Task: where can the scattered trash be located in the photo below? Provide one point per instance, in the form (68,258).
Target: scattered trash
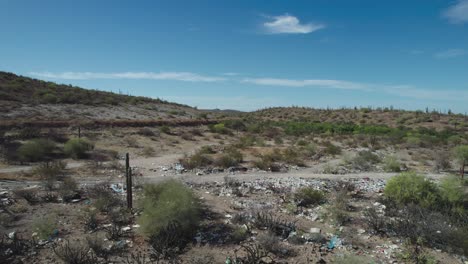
(315,230)
(334,242)
(118,188)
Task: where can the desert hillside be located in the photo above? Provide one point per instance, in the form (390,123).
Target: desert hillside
(26,99)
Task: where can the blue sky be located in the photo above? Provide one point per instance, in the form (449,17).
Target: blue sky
(247,54)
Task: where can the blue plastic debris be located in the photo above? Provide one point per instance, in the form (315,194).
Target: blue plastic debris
(333,242)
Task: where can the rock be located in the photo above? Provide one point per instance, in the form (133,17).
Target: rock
(361,231)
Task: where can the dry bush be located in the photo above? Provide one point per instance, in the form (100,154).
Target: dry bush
(49,172)
(276,225)
(308,196)
(74,253)
(30,195)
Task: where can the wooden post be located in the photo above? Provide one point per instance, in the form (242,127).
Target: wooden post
(79,132)
(128,176)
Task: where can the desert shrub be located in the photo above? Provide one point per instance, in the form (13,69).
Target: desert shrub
(364,160)
(253,253)
(29,132)
(292,156)
(68,188)
(148,151)
(239,234)
(453,197)
(89,218)
(168,242)
(97,245)
(44,226)
(219,128)
(131,142)
(30,195)
(77,148)
(113,231)
(104,198)
(276,225)
(461,155)
(391,164)
(146,131)
(339,207)
(169,203)
(309,150)
(441,161)
(352,259)
(36,150)
(49,172)
(413,141)
(271,243)
(197,160)
(308,196)
(74,253)
(232,157)
(409,187)
(331,149)
(375,221)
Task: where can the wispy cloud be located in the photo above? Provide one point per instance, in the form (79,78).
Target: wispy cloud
(336,84)
(457,13)
(288,24)
(174,76)
(451,53)
(398,90)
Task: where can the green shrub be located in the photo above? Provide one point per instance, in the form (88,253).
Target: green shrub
(453,196)
(166,203)
(331,149)
(411,188)
(391,164)
(77,148)
(231,158)
(308,196)
(364,160)
(45,226)
(49,172)
(219,128)
(197,160)
(36,150)
(239,234)
(165,130)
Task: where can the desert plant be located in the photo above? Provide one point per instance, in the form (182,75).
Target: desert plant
(308,196)
(90,219)
(239,234)
(375,221)
(197,160)
(77,148)
(36,150)
(96,244)
(44,226)
(68,188)
(461,155)
(74,253)
(168,203)
(104,198)
(254,254)
(391,164)
(410,187)
(49,172)
(441,161)
(30,195)
(331,149)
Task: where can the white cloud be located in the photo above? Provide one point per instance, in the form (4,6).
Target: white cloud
(174,76)
(451,53)
(458,13)
(408,91)
(290,25)
(336,84)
